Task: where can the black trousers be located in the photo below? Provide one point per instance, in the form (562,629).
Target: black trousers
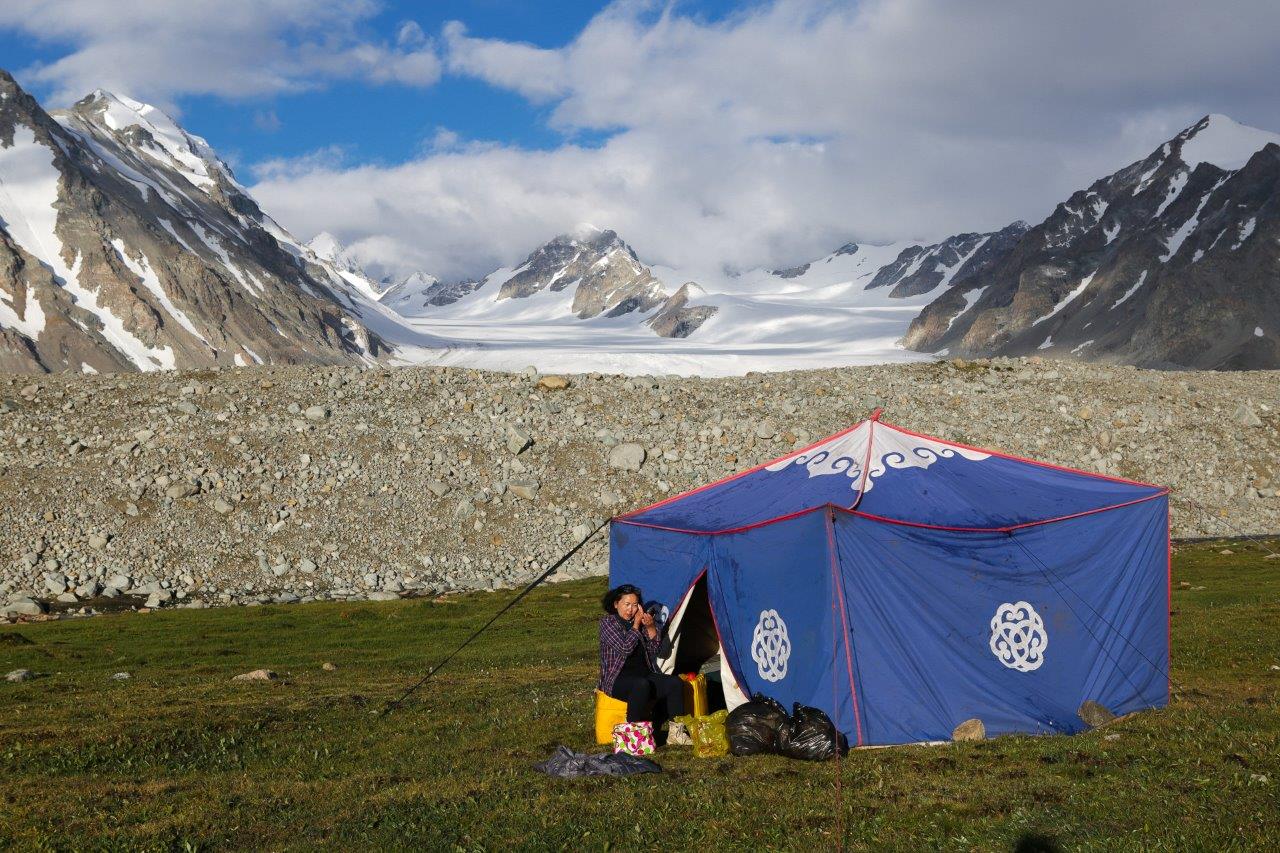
(654,696)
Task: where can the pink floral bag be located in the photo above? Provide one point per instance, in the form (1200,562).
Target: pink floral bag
(633,738)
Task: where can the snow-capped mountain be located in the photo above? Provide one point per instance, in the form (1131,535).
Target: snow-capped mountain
(127,244)
(1171,261)
(585,275)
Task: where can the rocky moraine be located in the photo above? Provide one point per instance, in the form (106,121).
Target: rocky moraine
(248,486)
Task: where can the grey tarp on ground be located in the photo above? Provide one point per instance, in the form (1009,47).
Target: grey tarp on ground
(567,764)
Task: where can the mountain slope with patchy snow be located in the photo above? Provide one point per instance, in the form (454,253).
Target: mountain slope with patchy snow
(126,244)
(1173,261)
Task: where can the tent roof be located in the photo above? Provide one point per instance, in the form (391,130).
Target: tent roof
(886,472)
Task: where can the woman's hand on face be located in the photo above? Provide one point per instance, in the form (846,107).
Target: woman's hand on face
(638,619)
(646,620)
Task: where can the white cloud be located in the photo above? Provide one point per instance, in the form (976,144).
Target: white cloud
(327,159)
(776,134)
(765,138)
(158,50)
(534,72)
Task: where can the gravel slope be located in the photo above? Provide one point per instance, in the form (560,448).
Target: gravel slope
(277,484)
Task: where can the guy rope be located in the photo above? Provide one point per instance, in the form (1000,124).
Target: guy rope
(391,706)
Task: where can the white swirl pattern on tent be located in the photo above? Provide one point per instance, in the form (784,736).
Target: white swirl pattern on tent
(847,453)
(770,646)
(1018,636)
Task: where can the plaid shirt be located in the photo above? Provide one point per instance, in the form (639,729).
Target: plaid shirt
(617,640)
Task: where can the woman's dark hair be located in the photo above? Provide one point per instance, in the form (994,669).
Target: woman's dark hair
(611,597)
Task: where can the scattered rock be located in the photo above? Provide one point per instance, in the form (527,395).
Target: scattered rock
(1245,416)
(551,382)
(518,440)
(969,730)
(257,675)
(316,413)
(524,489)
(327,666)
(1094,714)
(18,676)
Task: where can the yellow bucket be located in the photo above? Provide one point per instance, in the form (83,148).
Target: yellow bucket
(609,712)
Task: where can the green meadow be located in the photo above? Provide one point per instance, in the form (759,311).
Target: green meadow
(180,757)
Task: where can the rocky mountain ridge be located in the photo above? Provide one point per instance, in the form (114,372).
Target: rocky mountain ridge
(126,244)
(1169,262)
(1190,233)
(595,268)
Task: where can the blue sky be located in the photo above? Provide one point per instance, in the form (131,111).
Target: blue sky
(378,123)
(454,137)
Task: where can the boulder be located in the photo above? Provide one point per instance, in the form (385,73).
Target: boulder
(23,607)
(969,730)
(628,457)
(18,676)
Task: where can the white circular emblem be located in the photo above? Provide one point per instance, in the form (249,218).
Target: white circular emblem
(770,646)
(1018,637)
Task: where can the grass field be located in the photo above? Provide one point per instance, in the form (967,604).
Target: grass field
(179,757)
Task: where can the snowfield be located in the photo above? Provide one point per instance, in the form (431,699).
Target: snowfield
(824,317)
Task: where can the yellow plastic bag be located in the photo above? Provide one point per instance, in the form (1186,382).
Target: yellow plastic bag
(709,738)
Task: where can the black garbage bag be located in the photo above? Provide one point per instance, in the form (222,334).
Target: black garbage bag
(809,735)
(752,727)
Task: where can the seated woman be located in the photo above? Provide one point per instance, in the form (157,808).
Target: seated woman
(629,645)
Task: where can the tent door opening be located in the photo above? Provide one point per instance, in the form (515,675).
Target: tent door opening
(695,647)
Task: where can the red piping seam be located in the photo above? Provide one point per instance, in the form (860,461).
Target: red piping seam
(1008,529)
(741,529)
(683,495)
(866,462)
(1022,458)
(848,659)
(886,520)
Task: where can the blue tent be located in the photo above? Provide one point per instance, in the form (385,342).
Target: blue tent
(905,584)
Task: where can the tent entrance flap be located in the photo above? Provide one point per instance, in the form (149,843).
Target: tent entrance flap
(695,642)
